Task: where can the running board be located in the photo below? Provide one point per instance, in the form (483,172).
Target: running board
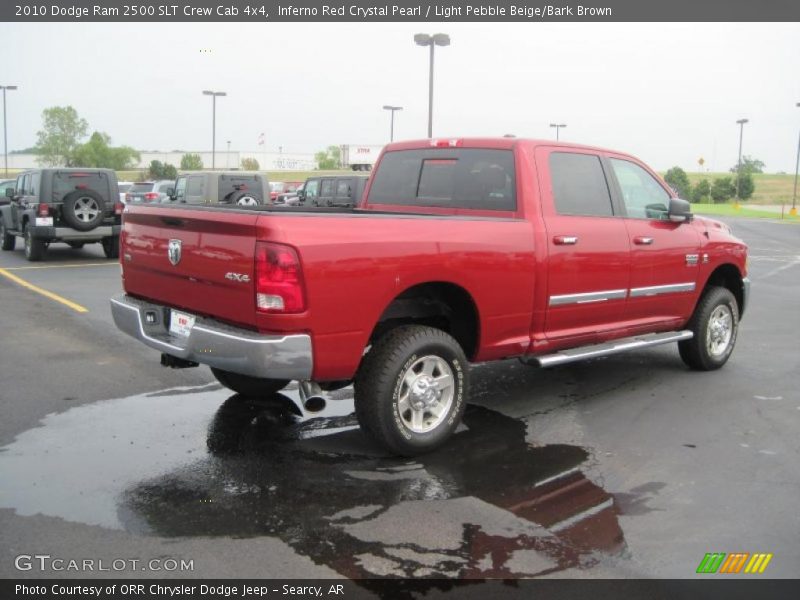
(615,347)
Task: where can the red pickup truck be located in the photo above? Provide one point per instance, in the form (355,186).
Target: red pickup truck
(461,251)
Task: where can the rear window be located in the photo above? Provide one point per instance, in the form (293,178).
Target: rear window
(230,184)
(124,187)
(140,188)
(450,178)
(67,182)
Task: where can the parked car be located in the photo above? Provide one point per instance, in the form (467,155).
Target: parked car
(74,206)
(342,190)
(4,185)
(289,195)
(123,186)
(461,251)
(148,192)
(241,188)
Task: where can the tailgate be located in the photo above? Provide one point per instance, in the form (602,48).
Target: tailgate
(210,270)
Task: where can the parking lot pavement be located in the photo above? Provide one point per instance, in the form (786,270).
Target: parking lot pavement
(628,466)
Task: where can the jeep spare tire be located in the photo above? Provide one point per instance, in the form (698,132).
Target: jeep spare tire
(83,209)
(241,198)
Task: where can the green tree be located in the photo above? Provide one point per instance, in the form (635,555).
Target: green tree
(331,158)
(250,164)
(702,191)
(677,179)
(746,186)
(61,134)
(159,170)
(98,153)
(722,189)
(191,162)
(749,165)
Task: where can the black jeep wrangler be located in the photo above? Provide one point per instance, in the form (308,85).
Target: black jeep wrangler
(74,206)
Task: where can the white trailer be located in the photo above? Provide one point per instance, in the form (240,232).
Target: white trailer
(359,157)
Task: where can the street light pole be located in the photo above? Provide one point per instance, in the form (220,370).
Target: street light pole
(391,127)
(741,123)
(437,39)
(793,211)
(5,130)
(213,123)
(557,127)
(228,156)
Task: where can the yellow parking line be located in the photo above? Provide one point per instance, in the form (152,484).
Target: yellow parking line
(69,266)
(43,292)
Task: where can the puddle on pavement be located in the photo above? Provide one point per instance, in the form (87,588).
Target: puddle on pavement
(200,462)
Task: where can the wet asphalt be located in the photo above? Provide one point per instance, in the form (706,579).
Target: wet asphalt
(627,466)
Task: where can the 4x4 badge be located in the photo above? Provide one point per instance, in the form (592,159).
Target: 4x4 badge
(174,251)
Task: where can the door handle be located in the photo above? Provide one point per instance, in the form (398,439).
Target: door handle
(565,240)
(643,241)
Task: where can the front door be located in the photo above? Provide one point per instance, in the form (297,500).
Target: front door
(588,251)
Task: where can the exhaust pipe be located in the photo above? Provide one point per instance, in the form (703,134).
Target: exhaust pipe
(173,362)
(311,395)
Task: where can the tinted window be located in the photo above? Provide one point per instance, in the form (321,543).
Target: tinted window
(33,182)
(312,188)
(327,188)
(138,188)
(66,182)
(579,185)
(124,187)
(642,195)
(446,177)
(343,188)
(164,187)
(194,186)
(180,189)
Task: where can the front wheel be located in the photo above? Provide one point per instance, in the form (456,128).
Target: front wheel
(715,324)
(9,240)
(111,246)
(411,389)
(250,387)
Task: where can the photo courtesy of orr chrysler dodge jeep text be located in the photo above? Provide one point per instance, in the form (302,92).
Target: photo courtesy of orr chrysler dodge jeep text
(460,251)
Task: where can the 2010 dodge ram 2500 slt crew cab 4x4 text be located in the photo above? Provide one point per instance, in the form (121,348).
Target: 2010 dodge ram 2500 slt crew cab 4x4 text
(461,251)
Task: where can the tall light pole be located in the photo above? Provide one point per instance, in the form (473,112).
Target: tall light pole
(10,88)
(213,123)
(741,123)
(557,126)
(391,127)
(437,39)
(793,211)
(228,156)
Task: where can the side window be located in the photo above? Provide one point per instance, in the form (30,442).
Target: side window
(326,190)
(23,185)
(194,187)
(642,195)
(343,188)
(180,190)
(579,185)
(312,188)
(19,186)
(35,178)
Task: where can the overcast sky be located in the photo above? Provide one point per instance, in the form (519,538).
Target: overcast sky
(668,93)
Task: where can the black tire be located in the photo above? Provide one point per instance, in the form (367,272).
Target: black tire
(244,198)
(382,381)
(75,245)
(250,387)
(9,240)
(713,342)
(111,246)
(83,209)
(34,248)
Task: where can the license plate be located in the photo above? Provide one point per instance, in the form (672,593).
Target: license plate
(180,323)
(44,221)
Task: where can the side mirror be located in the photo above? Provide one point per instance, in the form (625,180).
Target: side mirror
(171,192)
(301,195)
(679,210)
(9,192)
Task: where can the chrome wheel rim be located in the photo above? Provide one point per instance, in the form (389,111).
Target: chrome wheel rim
(720,331)
(426,394)
(86,209)
(247,201)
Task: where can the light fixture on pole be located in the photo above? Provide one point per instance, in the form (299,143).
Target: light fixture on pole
(391,127)
(557,126)
(213,123)
(740,123)
(437,39)
(10,88)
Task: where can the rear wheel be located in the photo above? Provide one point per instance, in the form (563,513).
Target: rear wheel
(411,389)
(249,386)
(715,324)
(111,246)
(34,248)
(9,240)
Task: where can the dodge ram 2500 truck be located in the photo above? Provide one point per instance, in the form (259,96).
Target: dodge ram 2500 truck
(461,251)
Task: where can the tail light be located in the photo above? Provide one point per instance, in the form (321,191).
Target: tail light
(118,208)
(279,279)
(43,210)
(150,196)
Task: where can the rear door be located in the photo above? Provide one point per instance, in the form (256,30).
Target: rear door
(665,256)
(588,252)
